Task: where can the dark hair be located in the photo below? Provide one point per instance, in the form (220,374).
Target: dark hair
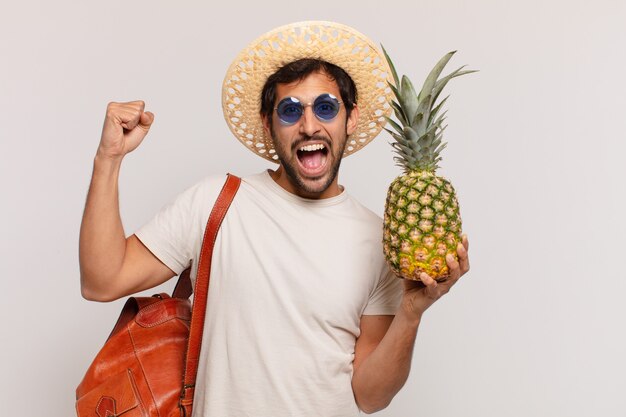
(300,69)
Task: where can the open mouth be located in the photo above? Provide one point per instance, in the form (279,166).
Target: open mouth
(312,158)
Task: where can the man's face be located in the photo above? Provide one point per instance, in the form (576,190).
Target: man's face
(310,150)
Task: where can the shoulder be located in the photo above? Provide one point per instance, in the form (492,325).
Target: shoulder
(207,184)
(203,194)
(196,198)
(363,214)
(203,191)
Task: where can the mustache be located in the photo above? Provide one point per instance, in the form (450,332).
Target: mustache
(298,143)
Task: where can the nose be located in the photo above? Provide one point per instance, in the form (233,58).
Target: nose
(309,124)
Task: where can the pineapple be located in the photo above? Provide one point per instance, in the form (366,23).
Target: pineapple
(422,223)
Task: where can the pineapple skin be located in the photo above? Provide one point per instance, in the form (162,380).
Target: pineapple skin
(422,224)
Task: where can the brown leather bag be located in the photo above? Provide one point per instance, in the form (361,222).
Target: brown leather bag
(148,365)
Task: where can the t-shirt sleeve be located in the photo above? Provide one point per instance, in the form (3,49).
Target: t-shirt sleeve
(386,297)
(177,229)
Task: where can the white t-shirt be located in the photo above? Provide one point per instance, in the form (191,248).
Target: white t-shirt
(290,279)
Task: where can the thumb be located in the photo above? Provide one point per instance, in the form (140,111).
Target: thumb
(136,136)
(146,119)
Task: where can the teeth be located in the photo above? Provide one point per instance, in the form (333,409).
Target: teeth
(310,148)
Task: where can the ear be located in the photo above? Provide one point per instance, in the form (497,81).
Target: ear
(266,125)
(353,120)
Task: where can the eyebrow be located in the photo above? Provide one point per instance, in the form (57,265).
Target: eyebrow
(306,101)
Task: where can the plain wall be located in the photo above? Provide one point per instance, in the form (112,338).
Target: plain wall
(536,149)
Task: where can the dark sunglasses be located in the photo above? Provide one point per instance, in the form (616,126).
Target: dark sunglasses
(325,107)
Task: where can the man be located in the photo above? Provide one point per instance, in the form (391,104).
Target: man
(303,317)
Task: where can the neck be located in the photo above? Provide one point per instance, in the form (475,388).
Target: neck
(281,178)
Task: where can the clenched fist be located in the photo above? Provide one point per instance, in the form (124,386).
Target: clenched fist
(125,126)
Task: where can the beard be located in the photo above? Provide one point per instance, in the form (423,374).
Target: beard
(289,161)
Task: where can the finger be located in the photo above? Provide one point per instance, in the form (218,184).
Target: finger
(130,119)
(129,125)
(465,241)
(437,289)
(140,105)
(130,106)
(429,283)
(116,118)
(453,265)
(461,251)
(135,105)
(463,258)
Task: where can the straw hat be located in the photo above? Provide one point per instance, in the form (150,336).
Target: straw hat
(332,42)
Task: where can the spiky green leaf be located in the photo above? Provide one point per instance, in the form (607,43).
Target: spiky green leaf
(391,66)
(397,110)
(395,91)
(439,134)
(417,123)
(403,150)
(441,148)
(436,109)
(399,138)
(436,144)
(431,133)
(424,108)
(411,135)
(441,118)
(442,82)
(394,124)
(431,79)
(409,100)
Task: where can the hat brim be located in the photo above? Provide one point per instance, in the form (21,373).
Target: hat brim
(328,41)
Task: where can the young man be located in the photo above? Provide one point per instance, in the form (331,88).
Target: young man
(304,317)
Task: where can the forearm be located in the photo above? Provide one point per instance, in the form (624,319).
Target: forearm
(102,241)
(383,373)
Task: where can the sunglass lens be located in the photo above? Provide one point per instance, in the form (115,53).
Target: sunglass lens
(289,110)
(326,107)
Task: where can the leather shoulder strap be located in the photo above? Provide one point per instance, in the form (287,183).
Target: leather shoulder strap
(202,284)
(183,288)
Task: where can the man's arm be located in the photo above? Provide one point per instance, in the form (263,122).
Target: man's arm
(383,351)
(112,266)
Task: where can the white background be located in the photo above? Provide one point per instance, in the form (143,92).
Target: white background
(536,145)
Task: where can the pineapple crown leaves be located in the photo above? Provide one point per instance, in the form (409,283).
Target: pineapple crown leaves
(419,133)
